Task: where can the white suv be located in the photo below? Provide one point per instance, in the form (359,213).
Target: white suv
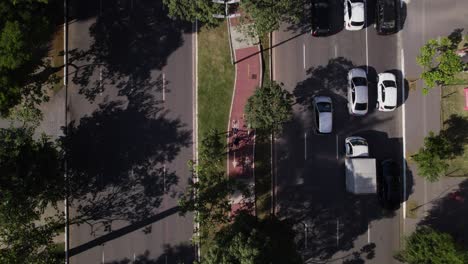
(386,92)
(354,14)
(357,92)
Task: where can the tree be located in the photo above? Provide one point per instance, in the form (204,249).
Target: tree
(189,10)
(269,107)
(432,158)
(268,14)
(209,195)
(428,246)
(440,62)
(31,180)
(248,240)
(26,27)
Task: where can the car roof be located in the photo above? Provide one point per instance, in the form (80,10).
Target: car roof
(325,122)
(357,11)
(361,94)
(390,96)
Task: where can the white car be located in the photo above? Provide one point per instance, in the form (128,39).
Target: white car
(354,14)
(386,92)
(356,147)
(357,92)
(323,111)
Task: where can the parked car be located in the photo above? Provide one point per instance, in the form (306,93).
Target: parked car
(386,92)
(323,112)
(386,16)
(354,14)
(320,18)
(357,92)
(356,147)
(389,185)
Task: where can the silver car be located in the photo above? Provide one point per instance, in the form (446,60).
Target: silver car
(323,113)
(357,92)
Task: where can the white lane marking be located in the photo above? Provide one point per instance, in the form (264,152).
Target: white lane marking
(367,54)
(101,85)
(304,55)
(337,150)
(164,177)
(164,86)
(103,258)
(403,125)
(337,232)
(336,50)
(305,146)
(195,123)
(368,233)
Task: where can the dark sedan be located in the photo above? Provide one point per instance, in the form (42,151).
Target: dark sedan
(390,185)
(386,16)
(320,18)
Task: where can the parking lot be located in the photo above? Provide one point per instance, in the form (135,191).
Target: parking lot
(310,171)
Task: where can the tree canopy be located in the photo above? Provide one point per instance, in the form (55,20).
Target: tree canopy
(209,195)
(432,158)
(248,240)
(268,14)
(429,246)
(189,10)
(26,26)
(269,107)
(30,180)
(440,62)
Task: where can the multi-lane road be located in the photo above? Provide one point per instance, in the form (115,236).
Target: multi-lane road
(129,133)
(309,167)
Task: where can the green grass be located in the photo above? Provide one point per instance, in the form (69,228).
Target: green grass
(263,174)
(215,79)
(453,102)
(215,87)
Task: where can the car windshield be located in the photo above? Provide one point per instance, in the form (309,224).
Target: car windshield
(356,1)
(359,81)
(389,107)
(389,83)
(361,106)
(357,23)
(390,24)
(324,107)
(359,142)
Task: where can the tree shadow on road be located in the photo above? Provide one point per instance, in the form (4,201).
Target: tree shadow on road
(116,158)
(128,42)
(182,253)
(450,213)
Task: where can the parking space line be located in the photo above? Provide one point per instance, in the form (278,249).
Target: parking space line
(305,145)
(164,178)
(337,150)
(164,86)
(304,55)
(103,258)
(336,50)
(134,257)
(367,53)
(337,232)
(368,233)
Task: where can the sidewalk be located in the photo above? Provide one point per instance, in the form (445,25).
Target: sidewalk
(241,140)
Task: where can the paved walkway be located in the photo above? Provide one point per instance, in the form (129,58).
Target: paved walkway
(241,138)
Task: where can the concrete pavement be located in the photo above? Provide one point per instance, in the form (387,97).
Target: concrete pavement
(130,132)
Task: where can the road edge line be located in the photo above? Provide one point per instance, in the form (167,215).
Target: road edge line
(195,125)
(65,84)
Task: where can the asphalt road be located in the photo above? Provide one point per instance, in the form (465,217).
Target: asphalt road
(310,171)
(129,133)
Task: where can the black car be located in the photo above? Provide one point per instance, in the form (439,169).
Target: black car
(386,16)
(320,18)
(390,185)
